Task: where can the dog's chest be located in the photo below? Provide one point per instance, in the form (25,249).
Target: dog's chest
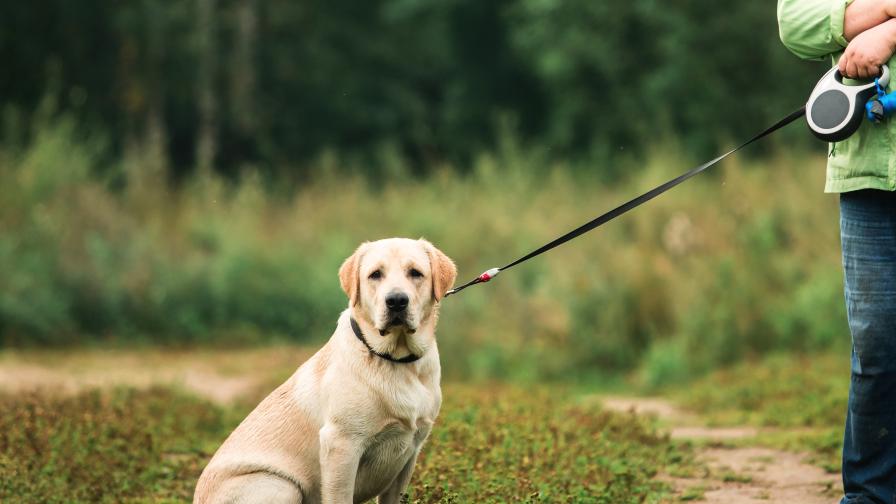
(390,448)
(411,419)
(411,412)
(387,454)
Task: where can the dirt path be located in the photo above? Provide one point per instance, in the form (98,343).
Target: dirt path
(736,474)
(221,376)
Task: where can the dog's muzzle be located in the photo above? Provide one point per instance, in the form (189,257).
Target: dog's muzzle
(397,312)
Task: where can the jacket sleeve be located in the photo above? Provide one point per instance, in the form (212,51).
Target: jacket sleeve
(812,29)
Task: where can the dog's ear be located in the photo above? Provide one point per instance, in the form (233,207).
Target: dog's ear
(443,270)
(349,275)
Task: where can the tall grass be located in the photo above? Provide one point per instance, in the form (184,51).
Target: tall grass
(734,263)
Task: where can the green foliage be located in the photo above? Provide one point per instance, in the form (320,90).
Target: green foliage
(104,446)
(494,444)
(733,264)
(277,81)
(498,444)
(778,391)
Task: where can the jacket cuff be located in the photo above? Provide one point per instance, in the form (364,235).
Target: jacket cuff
(838,14)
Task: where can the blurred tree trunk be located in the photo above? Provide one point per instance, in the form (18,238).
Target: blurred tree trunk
(156,138)
(131,98)
(243,83)
(206,145)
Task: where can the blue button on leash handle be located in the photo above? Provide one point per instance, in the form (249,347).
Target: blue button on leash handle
(835,110)
(883,105)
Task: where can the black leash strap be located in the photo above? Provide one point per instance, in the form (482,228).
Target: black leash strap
(629,205)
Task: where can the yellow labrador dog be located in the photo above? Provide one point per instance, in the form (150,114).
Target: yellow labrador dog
(348,425)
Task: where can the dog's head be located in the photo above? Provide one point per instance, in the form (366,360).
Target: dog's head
(394,284)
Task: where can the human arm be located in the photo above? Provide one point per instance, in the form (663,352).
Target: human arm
(813,29)
(862,15)
(868,51)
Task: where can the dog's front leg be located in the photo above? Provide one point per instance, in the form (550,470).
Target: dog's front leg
(392,495)
(340,454)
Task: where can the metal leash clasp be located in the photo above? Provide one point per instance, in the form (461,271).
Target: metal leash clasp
(485,277)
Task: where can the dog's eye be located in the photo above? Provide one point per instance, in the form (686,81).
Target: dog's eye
(415,273)
(376,275)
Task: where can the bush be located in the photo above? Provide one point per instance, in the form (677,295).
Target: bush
(735,263)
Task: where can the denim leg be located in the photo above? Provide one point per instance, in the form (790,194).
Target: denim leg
(868,238)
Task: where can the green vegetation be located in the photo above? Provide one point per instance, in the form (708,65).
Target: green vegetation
(498,444)
(779,391)
(492,444)
(735,263)
(694,493)
(239,85)
(105,446)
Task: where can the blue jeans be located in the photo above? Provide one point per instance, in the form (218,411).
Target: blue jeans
(868,238)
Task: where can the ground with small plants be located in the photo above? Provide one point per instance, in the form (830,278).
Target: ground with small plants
(93,426)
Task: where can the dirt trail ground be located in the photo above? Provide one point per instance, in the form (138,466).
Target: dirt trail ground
(221,376)
(736,474)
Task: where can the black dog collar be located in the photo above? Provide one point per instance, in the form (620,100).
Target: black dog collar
(407,359)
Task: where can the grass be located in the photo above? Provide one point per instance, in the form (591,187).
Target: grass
(109,446)
(694,493)
(500,444)
(494,443)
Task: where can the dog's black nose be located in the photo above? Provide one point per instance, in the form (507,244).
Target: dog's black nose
(397,301)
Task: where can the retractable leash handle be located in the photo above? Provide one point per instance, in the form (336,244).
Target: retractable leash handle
(835,110)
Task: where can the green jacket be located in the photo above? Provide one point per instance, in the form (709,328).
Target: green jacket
(813,29)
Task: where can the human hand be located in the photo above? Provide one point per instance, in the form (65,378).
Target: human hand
(868,51)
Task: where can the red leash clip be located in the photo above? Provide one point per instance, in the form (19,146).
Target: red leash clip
(485,277)
(488,275)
